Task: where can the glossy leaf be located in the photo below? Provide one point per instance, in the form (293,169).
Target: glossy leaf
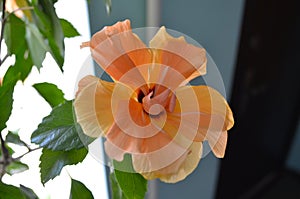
(36,45)
(68,29)
(10,192)
(51,93)
(52,162)
(28,193)
(14,34)
(16,167)
(116,191)
(58,130)
(80,191)
(14,138)
(133,185)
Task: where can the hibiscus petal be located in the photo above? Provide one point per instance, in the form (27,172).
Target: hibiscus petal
(118,143)
(174,172)
(84,82)
(218,142)
(132,131)
(92,106)
(113,151)
(117,50)
(166,153)
(131,118)
(200,113)
(180,61)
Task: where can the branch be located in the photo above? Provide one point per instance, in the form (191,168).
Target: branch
(7,160)
(5,57)
(6,157)
(16,10)
(2,27)
(4,150)
(29,151)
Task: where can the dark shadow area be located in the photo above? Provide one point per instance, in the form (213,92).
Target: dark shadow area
(265,100)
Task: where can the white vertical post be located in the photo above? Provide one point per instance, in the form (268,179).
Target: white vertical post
(153,13)
(153,19)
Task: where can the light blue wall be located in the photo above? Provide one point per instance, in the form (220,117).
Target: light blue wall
(215,24)
(121,9)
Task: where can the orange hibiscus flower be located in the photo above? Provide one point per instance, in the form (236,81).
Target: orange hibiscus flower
(148,111)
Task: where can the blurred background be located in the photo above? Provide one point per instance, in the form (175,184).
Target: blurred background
(255,45)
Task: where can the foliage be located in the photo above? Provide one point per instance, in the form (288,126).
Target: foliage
(52,162)
(79,191)
(126,184)
(29,34)
(53,95)
(58,130)
(29,37)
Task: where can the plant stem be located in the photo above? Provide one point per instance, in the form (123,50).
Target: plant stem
(16,10)
(2,27)
(4,58)
(6,157)
(4,150)
(29,151)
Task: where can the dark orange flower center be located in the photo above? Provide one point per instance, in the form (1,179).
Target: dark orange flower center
(154,102)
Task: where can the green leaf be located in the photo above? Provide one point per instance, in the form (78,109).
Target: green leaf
(41,20)
(80,191)
(49,23)
(28,193)
(16,167)
(58,130)
(14,34)
(133,185)
(52,162)
(116,191)
(14,138)
(68,29)
(22,67)
(36,45)
(125,164)
(10,192)
(6,101)
(51,93)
